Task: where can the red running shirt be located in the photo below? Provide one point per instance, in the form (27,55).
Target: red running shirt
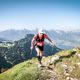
(41,42)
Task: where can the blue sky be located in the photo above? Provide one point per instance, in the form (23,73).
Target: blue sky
(46,14)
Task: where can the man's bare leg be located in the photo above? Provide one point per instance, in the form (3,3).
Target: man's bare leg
(39,55)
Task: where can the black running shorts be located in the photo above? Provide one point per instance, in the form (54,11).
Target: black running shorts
(41,48)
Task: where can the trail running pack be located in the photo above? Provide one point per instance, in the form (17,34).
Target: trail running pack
(38,39)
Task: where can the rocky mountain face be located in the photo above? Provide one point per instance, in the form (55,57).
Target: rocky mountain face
(15,35)
(65,39)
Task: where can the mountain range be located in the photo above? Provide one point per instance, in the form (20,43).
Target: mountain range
(63,39)
(12,53)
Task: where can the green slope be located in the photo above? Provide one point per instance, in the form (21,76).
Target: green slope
(66,66)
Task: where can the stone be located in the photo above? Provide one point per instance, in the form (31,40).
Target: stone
(54,58)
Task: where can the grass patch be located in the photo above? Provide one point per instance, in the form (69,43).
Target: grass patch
(28,70)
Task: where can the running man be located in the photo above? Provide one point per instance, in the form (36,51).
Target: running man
(38,42)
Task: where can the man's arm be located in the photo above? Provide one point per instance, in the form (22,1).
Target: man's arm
(49,39)
(32,42)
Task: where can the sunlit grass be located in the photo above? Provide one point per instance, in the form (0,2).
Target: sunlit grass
(29,70)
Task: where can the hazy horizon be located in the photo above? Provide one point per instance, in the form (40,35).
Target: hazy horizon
(46,14)
(41,28)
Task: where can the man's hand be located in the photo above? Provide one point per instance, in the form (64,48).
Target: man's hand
(52,43)
(31,50)
(31,47)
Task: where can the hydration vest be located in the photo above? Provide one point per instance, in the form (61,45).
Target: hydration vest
(38,39)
